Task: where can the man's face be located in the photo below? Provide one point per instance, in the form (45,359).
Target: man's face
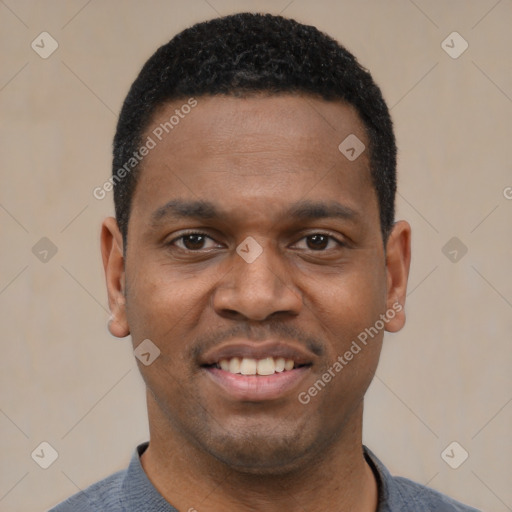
(252,236)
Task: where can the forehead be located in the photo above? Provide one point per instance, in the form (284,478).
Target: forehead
(264,149)
(302,122)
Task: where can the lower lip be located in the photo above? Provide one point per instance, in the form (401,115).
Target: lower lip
(256,388)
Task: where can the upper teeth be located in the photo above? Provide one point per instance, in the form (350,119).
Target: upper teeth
(249,366)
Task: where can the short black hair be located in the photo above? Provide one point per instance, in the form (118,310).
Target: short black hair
(244,54)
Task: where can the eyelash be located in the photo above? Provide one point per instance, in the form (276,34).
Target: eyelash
(184,235)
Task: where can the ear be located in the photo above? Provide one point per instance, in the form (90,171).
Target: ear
(398,260)
(113,263)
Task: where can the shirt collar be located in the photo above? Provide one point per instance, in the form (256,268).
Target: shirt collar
(387,499)
(138,489)
(138,493)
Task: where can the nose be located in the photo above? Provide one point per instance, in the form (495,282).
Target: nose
(257,290)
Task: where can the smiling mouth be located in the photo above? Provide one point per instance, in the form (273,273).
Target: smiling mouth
(258,367)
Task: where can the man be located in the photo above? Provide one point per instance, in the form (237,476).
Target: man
(255,262)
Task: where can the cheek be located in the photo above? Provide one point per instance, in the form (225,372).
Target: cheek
(346,316)
(346,308)
(164,306)
(349,302)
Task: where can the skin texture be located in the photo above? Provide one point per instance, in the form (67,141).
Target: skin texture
(253,158)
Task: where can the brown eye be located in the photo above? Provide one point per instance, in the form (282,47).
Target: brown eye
(317,242)
(194,242)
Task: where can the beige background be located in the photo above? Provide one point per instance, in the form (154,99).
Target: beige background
(446,377)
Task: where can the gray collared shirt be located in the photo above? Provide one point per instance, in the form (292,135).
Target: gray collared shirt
(130,490)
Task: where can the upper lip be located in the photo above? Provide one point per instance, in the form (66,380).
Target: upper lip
(256,350)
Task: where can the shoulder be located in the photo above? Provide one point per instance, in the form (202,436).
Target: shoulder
(103,495)
(398,494)
(425,499)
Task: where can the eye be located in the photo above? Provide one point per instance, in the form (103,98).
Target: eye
(320,242)
(193,241)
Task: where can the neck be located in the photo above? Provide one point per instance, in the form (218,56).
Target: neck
(337,479)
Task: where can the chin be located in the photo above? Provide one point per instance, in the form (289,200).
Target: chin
(276,453)
(272,464)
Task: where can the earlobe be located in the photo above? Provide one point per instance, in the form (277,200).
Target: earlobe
(113,264)
(398,260)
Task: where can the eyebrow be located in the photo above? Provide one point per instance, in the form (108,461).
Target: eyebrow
(205,210)
(182,209)
(311,210)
